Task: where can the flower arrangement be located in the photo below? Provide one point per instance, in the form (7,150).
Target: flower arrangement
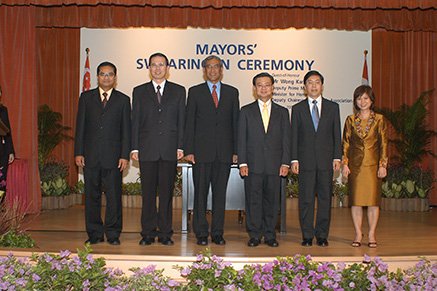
(83,272)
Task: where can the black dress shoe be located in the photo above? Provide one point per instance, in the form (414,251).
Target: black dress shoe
(218,240)
(272,243)
(202,241)
(145,241)
(322,242)
(114,241)
(307,242)
(93,241)
(166,241)
(253,242)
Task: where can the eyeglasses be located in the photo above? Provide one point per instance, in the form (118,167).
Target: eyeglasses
(160,65)
(109,75)
(216,66)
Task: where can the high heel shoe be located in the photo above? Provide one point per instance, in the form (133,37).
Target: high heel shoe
(372,244)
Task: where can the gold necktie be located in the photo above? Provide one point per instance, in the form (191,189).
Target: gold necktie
(265,117)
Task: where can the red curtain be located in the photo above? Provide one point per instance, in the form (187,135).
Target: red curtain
(237,17)
(404,65)
(367,4)
(58,79)
(18,80)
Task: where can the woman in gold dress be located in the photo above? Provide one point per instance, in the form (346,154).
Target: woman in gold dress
(365,161)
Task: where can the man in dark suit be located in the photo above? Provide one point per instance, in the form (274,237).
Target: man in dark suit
(102,148)
(315,154)
(211,146)
(263,156)
(158,116)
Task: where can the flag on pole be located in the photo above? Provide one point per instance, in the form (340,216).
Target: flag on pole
(86,83)
(365,77)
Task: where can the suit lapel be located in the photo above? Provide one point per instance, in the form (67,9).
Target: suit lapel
(307,114)
(96,98)
(274,116)
(324,113)
(208,95)
(150,92)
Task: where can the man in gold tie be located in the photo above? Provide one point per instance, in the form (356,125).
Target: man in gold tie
(263,156)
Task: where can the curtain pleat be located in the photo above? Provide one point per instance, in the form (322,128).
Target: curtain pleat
(352,4)
(58,78)
(18,81)
(403,66)
(102,16)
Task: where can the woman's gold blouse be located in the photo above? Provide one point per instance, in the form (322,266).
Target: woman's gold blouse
(365,141)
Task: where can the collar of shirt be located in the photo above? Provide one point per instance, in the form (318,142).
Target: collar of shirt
(162,85)
(217,88)
(103,91)
(268,103)
(319,104)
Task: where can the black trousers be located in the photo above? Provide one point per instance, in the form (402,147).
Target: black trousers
(262,204)
(157,177)
(98,179)
(215,174)
(311,183)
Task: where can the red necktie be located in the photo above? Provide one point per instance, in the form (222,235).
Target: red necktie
(105,99)
(214,96)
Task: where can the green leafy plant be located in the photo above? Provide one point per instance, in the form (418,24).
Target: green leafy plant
(79,188)
(413,135)
(407,183)
(340,190)
(66,271)
(131,188)
(12,233)
(50,132)
(53,179)
(292,186)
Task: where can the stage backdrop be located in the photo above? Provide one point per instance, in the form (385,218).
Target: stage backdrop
(286,54)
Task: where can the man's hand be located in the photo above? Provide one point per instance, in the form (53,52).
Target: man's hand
(11,158)
(190,158)
(134,156)
(336,165)
(80,161)
(295,167)
(122,164)
(283,171)
(244,171)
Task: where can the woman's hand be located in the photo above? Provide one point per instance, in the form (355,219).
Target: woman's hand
(345,172)
(382,172)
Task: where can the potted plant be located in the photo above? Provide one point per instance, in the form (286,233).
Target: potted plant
(340,194)
(53,174)
(406,178)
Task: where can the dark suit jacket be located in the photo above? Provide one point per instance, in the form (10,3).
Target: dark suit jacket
(211,132)
(315,150)
(103,135)
(157,129)
(6,145)
(264,153)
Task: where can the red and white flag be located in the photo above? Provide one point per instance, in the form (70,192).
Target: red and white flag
(365,77)
(86,83)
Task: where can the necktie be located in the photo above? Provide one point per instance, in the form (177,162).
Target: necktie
(315,115)
(158,93)
(214,96)
(105,99)
(265,117)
